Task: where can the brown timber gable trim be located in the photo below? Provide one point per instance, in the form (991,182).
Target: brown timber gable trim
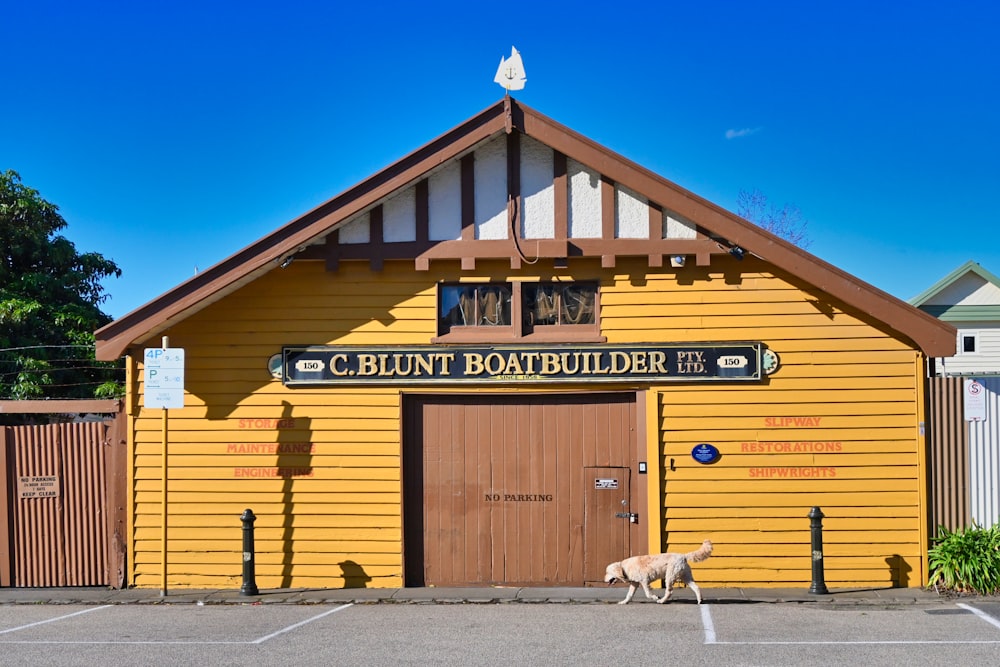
(422,212)
(560,204)
(377,238)
(514,192)
(608,209)
(468,179)
(933,337)
(655,231)
(516,247)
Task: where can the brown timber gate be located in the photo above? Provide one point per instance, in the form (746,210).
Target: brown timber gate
(520,489)
(63,501)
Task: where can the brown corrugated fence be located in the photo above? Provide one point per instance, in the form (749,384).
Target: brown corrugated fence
(949,455)
(62,505)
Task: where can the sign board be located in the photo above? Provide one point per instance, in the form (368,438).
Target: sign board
(521,364)
(705,453)
(163,377)
(975,401)
(605,483)
(38,487)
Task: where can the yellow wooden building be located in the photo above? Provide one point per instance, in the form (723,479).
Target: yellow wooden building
(513,357)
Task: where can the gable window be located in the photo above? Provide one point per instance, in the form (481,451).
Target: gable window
(474,306)
(559,304)
(968,342)
(497,312)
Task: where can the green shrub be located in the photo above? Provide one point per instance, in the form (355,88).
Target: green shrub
(966,561)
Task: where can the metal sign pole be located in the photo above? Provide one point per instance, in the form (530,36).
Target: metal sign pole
(163,534)
(163,388)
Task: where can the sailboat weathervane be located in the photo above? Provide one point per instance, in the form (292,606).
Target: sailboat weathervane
(510,74)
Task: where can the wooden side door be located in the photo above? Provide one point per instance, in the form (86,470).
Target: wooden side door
(607,518)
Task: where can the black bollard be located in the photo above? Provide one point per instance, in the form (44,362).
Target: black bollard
(818,586)
(249,585)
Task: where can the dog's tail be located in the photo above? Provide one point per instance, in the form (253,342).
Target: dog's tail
(701,554)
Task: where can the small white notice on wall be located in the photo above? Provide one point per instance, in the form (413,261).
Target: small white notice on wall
(38,487)
(975,401)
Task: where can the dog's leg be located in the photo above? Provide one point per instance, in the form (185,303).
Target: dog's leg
(688,580)
(649,594)
(631,592)
(697,591)
(669,589)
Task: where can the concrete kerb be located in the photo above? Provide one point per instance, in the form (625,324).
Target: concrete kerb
(474,595)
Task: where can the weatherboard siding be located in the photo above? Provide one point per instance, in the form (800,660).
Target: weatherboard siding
(836,427)
(321,467)
(844,404)
(984,361)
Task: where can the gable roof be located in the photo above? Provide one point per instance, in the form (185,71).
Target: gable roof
(508,116)
(970,293)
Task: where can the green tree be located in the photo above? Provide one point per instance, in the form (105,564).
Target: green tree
(49,303)
(785,221)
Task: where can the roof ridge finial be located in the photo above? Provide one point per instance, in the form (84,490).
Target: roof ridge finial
(510,74)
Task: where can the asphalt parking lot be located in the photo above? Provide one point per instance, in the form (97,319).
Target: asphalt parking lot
(953,633)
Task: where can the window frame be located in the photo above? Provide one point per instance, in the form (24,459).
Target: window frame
(561,331)
(473,333)
(968,335)
(520,330)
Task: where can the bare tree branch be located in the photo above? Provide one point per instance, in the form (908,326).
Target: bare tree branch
(786,221)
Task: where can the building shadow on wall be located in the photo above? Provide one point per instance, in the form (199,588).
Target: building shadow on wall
(294,467)
(354,575)
(899,571)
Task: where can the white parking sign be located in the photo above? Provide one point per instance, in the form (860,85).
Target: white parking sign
(163,377)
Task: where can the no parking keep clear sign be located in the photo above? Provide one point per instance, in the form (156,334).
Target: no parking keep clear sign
(975,401)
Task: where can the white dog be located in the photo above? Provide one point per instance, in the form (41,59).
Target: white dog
(641,570)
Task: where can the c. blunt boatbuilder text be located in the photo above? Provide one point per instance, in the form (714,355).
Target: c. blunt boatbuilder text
(352,365)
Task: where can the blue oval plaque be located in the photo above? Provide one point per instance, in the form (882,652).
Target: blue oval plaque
(705,453)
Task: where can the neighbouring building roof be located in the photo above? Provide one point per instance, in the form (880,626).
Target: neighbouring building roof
(970,293)
(316,232)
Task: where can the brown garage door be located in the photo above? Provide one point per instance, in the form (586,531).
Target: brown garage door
(518,490)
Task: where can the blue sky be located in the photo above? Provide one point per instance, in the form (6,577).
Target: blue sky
(172,134)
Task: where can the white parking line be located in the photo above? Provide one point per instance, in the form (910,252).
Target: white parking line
(301,623)
(862,643)
(710,637)
(981,614)
(116,642)
(53,620)
(260,640)
(706,621)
